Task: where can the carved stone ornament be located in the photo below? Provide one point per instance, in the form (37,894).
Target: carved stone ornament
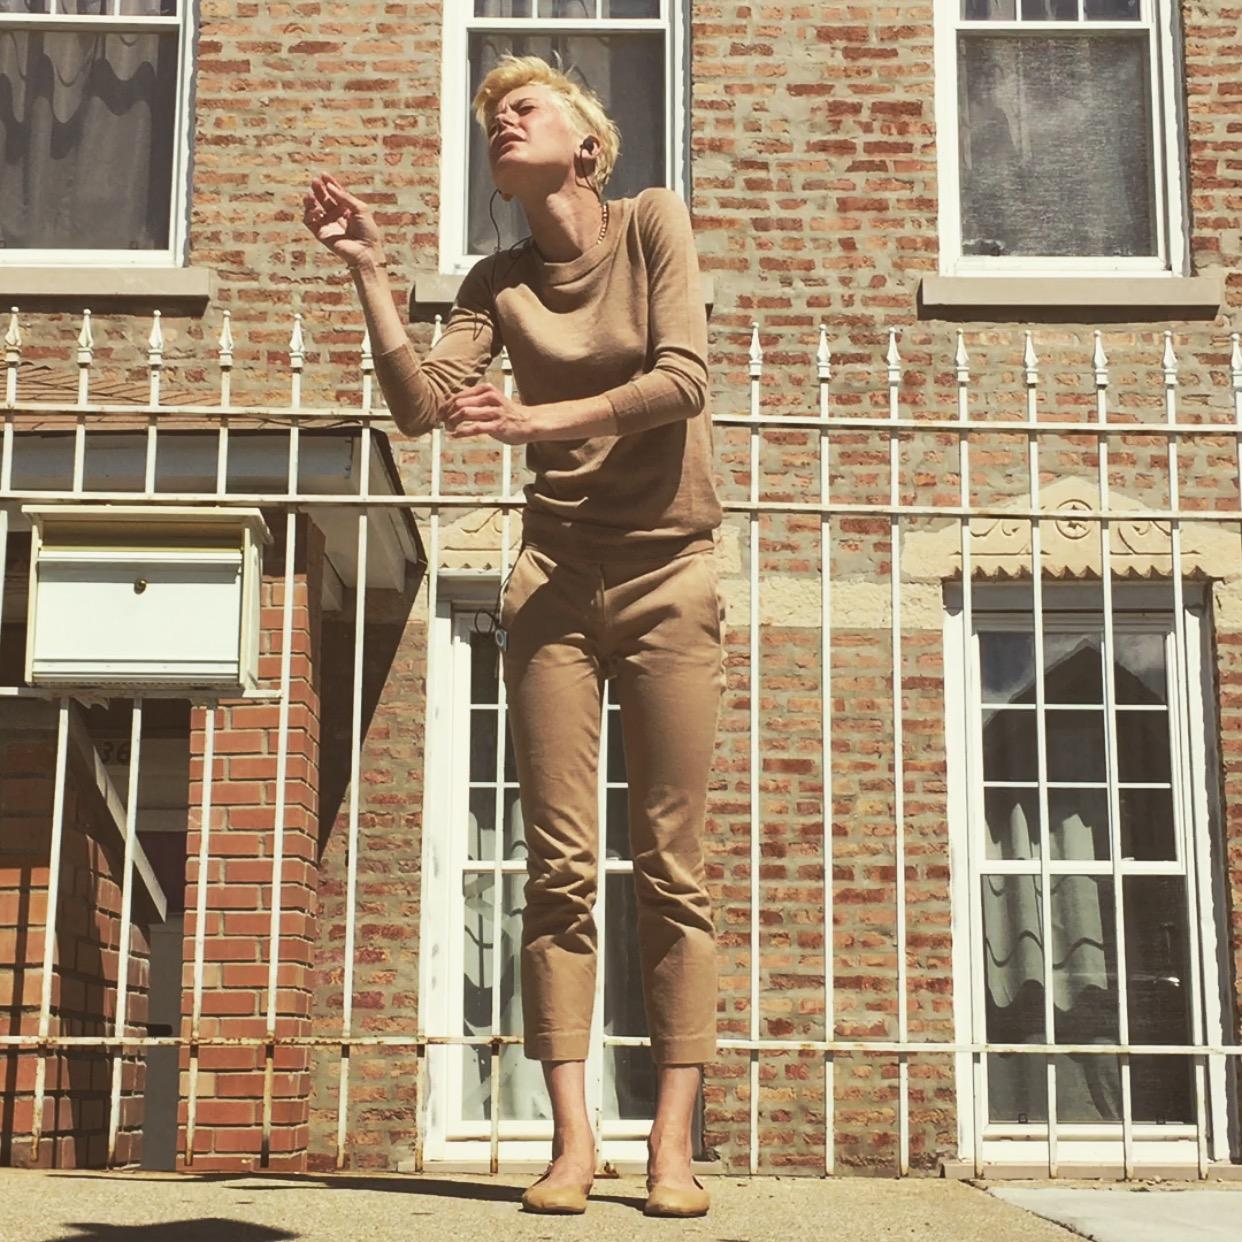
(1139,548)
(474,540)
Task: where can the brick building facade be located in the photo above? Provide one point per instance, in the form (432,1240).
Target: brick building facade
(841,163)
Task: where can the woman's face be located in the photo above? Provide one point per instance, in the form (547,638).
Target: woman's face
(530,139)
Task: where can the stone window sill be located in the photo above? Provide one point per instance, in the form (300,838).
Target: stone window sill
(1099,297)
(78,287)
(436,291)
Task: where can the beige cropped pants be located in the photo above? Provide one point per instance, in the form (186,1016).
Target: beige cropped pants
(655,625)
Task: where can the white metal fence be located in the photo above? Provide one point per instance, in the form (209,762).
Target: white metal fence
(824,422)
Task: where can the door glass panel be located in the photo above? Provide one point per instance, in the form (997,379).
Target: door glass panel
(1148,833)
(1079,824)
(1072,668)
(1075,746)
(1013,977)
(1158,987)
(1009,752)
(1013,822)
(1140,675)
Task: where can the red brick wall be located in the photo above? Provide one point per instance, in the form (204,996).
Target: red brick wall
(239,895)
(77,1100)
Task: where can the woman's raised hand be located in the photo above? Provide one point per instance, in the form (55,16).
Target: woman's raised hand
(342,222)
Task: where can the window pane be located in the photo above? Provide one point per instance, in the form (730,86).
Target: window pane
(1079,824)
(617,838)
(1007,666)
(1148,833)
(1084,981)
(23,6)
(1112,11)
(1013,977)
(1075,746)
(1139,668)
(989,10)
(625,71)
(481,825)
(1072,668)
(483,746)
(629,8)
(484,666)
(1009,752)
(1056,152)
(1012,822)
(86,147)
(129,8)
(1158,980)
(502,8)
(616,746)
(1050,10)
(629,1074)
(1143,746)
(522,1092)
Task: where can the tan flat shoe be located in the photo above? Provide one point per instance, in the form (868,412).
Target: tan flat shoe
(555,1200)
(667,1201)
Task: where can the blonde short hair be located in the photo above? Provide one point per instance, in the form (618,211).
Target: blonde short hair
(580,104)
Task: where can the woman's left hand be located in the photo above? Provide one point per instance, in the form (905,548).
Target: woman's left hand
(485,411)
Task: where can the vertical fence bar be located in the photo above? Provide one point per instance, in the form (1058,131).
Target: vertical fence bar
(962,370)
(127,901)
(899,790)
(225,354)
(1041,763)
(155,361)
(200,932)
(12,359)
(1181,687)
(49,929)
(432,709)
(355,778)
(1100,367)
(824,365)
(282,751)
(86,348)
(498,808)
(756,374)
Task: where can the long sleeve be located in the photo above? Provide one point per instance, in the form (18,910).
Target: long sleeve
(415,392)
(676,386)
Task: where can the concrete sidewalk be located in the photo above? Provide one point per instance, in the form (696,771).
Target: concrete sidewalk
(1141,1213)
(161,1207)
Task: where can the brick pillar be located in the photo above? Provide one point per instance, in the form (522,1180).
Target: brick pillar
(237,927)
(77,1098)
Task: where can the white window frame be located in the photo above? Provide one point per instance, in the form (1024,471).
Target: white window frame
(1136,606)
(456,118)
(448,1140)
(1172,258)
(175,254)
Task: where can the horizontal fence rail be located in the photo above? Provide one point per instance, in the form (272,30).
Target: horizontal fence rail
(886,432)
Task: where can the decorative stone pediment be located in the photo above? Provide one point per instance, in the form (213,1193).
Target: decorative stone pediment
(473,540)
(1139,547)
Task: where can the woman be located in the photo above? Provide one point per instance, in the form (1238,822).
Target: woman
(603,318)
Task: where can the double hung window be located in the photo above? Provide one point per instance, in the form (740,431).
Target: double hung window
(1061,148)
(627,51)
(93,131)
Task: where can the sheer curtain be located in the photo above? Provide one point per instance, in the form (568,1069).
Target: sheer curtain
(86,139)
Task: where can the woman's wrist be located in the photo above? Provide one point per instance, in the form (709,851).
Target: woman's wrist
(368,263)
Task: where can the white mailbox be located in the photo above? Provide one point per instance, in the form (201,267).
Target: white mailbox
(131,596)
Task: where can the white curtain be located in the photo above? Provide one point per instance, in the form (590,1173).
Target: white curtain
(86,139)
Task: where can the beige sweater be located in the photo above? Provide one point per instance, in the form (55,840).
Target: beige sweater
(624,319)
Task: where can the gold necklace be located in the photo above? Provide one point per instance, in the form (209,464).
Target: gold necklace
(603,228)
